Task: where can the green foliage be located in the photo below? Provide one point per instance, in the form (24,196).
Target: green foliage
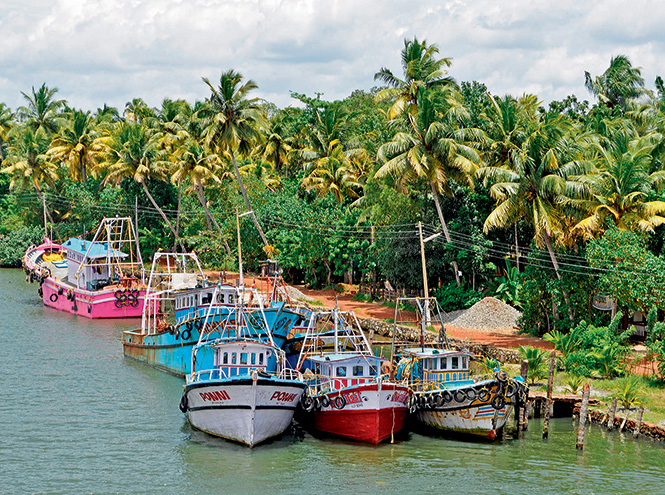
(631,274)
(565,343)
(598,349)
(629,392)
(14,244)
(536,358)
(507,288)
(452,298)
(574,383)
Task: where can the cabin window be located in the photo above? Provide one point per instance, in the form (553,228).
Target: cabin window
(230,299)
(454,376)
(341,371)
(444,363)
(455,363)
(206,299)
(243,358)
(225,360)
(432,364)
(358,370)
(260,358)
(372,370)
(424,364)
(253,358)
(464,365)
(233,358)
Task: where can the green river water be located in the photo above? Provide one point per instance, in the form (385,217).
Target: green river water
(77,417)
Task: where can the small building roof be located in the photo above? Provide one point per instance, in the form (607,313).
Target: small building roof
(94,249)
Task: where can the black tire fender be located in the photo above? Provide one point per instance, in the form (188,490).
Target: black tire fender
(447,396)
(460,396)
(339,402)
(438,400)
(484,395)
(308,404)
(53,297)
(186,334)
(183,403)
(498,402)
(502,376)
(325,401)
(471,394)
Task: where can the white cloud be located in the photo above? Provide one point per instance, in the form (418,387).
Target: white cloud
(110,51)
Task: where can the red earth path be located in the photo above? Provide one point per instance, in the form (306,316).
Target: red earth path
(500,337)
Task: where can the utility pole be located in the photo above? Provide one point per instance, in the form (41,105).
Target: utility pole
(422,259)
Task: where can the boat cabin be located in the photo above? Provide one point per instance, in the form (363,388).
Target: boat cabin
(439,367)
(241,358)
(195,302)
(338,371)
(90,265)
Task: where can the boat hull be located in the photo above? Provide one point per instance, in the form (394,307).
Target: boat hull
(163,350)
(372,412)
(484,416)
(91,304)
(248,411)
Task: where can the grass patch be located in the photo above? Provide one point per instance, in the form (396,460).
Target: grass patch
(316,302)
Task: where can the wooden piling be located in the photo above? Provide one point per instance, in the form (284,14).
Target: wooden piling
(548,401)
(612,415)
(639,422)
(524,415)
(584,411)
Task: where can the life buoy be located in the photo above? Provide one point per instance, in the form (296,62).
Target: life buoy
(53,297)
(484,395)
(339,402)
(460,396)
(498,402)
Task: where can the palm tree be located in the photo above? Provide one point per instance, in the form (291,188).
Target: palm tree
(28,163)
(422,71)
(277,148)
(433,150)
(335,173)
(619,186)
(42,109)
(619,84)
(234,123)
(78,144)
(535,185)
(133,152)
(6,124)
(138,110)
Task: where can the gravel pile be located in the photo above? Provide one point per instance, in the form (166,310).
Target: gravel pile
(487,314)
(297,295)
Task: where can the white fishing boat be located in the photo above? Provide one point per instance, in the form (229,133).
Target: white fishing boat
(446,394)
(247,395)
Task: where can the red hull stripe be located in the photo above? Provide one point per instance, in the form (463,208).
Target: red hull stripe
(369,426)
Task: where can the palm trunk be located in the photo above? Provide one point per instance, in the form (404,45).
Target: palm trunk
(168,223)
(244,195)
(517,250)
(83,170)
(550,249)
(209,216)
(446,233)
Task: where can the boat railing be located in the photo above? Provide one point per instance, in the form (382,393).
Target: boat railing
(290,374)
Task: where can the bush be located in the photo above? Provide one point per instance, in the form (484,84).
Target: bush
(14,245)
(452,298)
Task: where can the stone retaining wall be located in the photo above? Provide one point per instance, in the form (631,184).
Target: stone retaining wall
(379,327)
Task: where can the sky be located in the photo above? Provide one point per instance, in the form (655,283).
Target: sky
(110,51)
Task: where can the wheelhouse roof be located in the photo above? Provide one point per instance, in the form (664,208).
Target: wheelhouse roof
(94,249)
(430,352)
(340,358)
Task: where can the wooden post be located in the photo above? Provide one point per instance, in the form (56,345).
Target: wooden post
(584,411)
(548,401)
(639,422)
(612,415)
(524,417)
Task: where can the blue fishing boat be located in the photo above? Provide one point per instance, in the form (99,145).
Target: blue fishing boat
(239,387)
(181,301)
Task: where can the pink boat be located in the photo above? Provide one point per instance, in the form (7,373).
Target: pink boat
(102,278)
